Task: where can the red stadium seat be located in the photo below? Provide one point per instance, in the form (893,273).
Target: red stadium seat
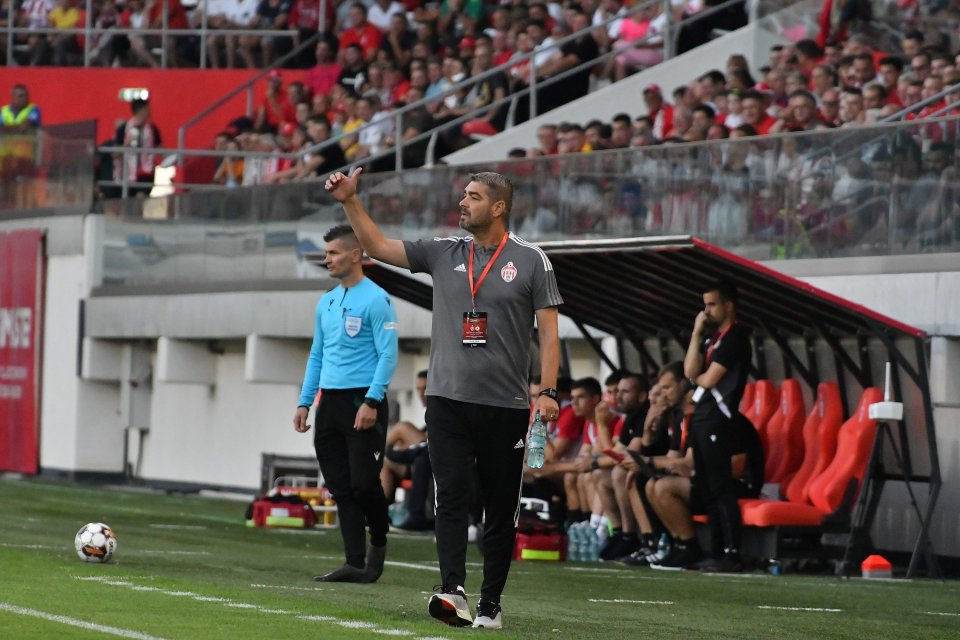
(785,434)
(827,491)
(747,398)
(819,438)
(765,400)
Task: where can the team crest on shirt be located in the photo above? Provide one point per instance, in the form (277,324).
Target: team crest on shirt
(509,272)
(351,325)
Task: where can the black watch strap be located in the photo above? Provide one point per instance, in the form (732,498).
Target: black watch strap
(551,393)
(370,402)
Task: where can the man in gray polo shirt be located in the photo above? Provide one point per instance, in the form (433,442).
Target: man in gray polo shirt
(487,290)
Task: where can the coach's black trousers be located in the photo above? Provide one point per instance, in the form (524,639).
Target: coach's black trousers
(350,462)
(713,445)
(464,439)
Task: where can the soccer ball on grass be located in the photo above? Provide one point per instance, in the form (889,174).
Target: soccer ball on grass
(95,542)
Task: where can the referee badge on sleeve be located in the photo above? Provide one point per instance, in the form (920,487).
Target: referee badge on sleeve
(351,324)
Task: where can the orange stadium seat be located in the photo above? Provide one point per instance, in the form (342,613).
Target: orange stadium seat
(785,434)
(828,491)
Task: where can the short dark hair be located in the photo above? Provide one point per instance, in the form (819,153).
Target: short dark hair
(422,373)
(319,119)
(674,368)
(500,187)
(643,384)
(706,110)
(725,289)
(340,231)
(564,384)
(138,105)
(809,48)
(615,376)
(892,61)
(590,385)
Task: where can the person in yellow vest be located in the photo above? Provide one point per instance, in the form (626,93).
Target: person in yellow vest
(20,114)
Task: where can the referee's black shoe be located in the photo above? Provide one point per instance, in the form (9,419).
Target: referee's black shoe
(450,607)
(346,573)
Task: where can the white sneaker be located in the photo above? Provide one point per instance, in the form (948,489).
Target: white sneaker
(450,607)
(472,532)
(489,616)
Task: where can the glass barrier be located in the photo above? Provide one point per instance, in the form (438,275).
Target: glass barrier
(49,167)
(882,190)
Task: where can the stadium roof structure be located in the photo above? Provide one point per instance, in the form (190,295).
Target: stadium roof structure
(650,289)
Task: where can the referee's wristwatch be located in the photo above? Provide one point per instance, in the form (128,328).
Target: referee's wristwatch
(551,393)
(370,402)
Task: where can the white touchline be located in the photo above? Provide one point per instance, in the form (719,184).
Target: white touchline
(73,622)
(410,565)
(287,588)
(349,624)
(619,601)
(941,613)
(763,606)
(177,526)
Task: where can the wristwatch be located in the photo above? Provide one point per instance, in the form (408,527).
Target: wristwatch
(370,402)
(551,393)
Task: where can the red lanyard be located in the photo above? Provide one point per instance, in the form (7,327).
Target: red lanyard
(475,288)
(715,341)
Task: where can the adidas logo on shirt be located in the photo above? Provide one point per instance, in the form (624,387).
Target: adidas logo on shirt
(461,267)
(519,444)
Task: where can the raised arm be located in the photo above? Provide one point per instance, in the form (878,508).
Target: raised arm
(344,189)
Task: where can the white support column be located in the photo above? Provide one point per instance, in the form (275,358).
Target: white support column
(275,360)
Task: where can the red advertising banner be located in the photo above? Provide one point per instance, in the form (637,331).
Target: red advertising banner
(21,313)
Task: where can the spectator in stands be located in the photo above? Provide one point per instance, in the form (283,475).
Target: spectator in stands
(135,17)
(549,139)
(572,139)
(822,79)
(21,114)
(621,131)
(322,160)
(272,15)
(399,39)
(639,42)
(231,14)
(830,108)
(381,13)
(108,47)
(353,73)
(572,55)
(415,122)
(891,67)
(35,14)
(135,167)
(304,21)
(230,171)
(176,18)
(659,112)
(321,78)
(64,16)
(851,107)
(702,118)
(276,107)
(371,139)
(489,89)
(361,33)
(799,115)
(754,114)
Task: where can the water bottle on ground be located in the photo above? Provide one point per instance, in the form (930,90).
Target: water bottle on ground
(592,545)
(573,543)
(536,442)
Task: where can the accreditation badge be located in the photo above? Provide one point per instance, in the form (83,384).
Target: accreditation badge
(351,324)
(474,328)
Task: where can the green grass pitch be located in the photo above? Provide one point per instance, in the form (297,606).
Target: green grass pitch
(187,567)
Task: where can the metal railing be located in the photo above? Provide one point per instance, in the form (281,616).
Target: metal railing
(742,194)
(166,34)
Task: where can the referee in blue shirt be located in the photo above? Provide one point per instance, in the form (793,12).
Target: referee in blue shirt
(352,360)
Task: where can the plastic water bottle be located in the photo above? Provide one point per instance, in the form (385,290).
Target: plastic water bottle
(593,545)
(536,443)
(573,543)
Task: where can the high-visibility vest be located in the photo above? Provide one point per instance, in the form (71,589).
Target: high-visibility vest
(9,117)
